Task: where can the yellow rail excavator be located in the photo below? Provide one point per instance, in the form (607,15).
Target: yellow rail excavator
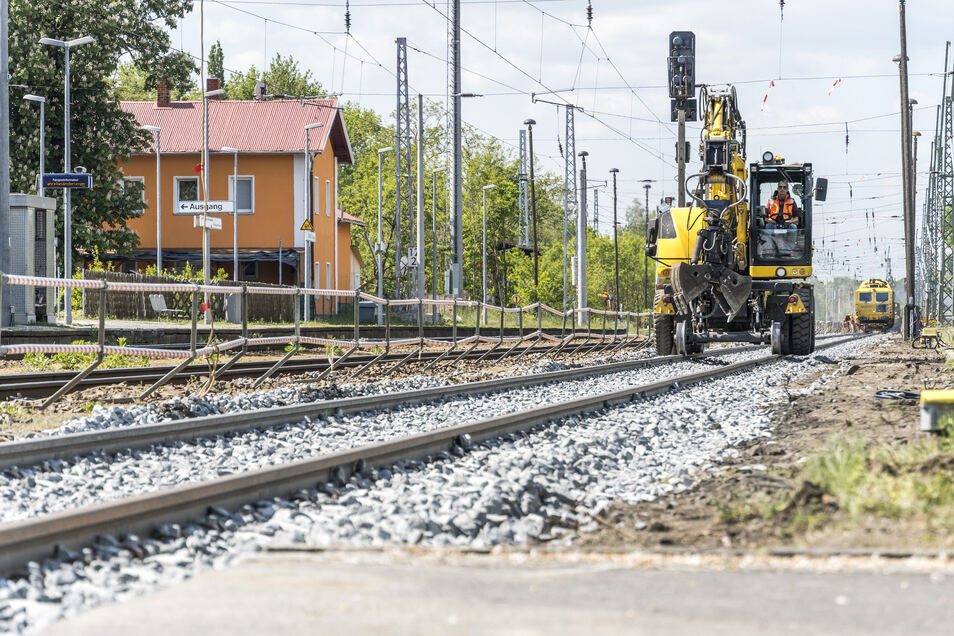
(733,266)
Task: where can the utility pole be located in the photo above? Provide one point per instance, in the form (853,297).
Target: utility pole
(5,262)
(902,59)
(403,179)
(434,239)
(456,208)
(581,300)
(619,305)
(645,256)
(523,225)
(681,159)
(533,208)
(421,285)
(569,189)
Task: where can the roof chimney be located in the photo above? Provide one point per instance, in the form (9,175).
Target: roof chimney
(163,99)
(213,84)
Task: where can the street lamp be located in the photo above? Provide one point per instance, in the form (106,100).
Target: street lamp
(379,246)
(614,172)
(67,213)
(533,208)
(581,297)
(206,233)
(310,245)
(484,268)
(235,262)
(157,130)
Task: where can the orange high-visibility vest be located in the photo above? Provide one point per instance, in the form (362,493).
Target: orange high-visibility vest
(784,215)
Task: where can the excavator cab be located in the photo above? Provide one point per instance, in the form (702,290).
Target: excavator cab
(781,243)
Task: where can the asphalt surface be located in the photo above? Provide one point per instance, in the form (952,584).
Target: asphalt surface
(365,593)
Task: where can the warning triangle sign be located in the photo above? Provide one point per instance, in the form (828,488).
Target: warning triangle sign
(307,226)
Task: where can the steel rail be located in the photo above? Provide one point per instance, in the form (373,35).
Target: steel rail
(29,452)
(33,539)
(46,383)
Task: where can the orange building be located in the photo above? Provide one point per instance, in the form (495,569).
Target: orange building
(270,192)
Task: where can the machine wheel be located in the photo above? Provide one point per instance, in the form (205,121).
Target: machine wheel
(682,342)
(664,327)
(779,333)
(801,326)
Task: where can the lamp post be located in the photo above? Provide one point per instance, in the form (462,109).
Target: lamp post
(434,243)
(533,208)
(310,212)
(483,276)
(206,233)
(614,172)
(157,130)
(235,262)
(67,213)
(379,246)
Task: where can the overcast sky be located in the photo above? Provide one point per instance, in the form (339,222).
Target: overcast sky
(511,48)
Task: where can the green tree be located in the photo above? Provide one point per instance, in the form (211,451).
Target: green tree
(101,132)
(283,77)
(217,62)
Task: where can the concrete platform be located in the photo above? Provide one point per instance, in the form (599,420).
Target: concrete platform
(342,593)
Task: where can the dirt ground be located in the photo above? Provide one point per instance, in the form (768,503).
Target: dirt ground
(762,500)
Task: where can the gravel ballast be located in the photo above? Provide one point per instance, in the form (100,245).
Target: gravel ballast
(538,486)
(61,485)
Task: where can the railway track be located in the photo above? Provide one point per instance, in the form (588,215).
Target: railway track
(41,385)
(35,538)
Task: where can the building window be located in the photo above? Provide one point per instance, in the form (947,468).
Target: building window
(328,278)
(245,199)
(126,181)
(327,198)
(187,189)
(250,270)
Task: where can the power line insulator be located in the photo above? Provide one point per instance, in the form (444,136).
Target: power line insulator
(347,17)
(589,13)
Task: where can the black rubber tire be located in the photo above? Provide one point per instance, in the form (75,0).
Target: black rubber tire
(801,338)
(665,329)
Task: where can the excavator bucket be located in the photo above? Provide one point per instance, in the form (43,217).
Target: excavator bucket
(735,288)
(688,281)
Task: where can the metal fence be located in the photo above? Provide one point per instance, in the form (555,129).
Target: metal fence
(599,330)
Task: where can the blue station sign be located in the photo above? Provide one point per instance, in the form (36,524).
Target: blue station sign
(72,180)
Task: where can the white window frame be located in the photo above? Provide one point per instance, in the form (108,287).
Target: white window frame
(251,178)
(328,277)
(198,193)
(327,197)
(141,180)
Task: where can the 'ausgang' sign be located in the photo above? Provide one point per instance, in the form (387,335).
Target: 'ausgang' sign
(198,207)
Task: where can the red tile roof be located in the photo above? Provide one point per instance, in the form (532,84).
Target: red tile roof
(267,126)
(344,217)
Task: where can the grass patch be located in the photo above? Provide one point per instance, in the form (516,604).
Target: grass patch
(895,482)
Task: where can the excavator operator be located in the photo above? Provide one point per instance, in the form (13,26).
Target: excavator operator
(781,211)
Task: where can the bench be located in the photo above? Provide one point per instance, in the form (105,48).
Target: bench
(158,302)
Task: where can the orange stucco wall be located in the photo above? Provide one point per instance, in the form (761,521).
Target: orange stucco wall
(274,204)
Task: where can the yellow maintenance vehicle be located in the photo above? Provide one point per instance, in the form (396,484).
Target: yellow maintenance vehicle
(733,266)
(874,305)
